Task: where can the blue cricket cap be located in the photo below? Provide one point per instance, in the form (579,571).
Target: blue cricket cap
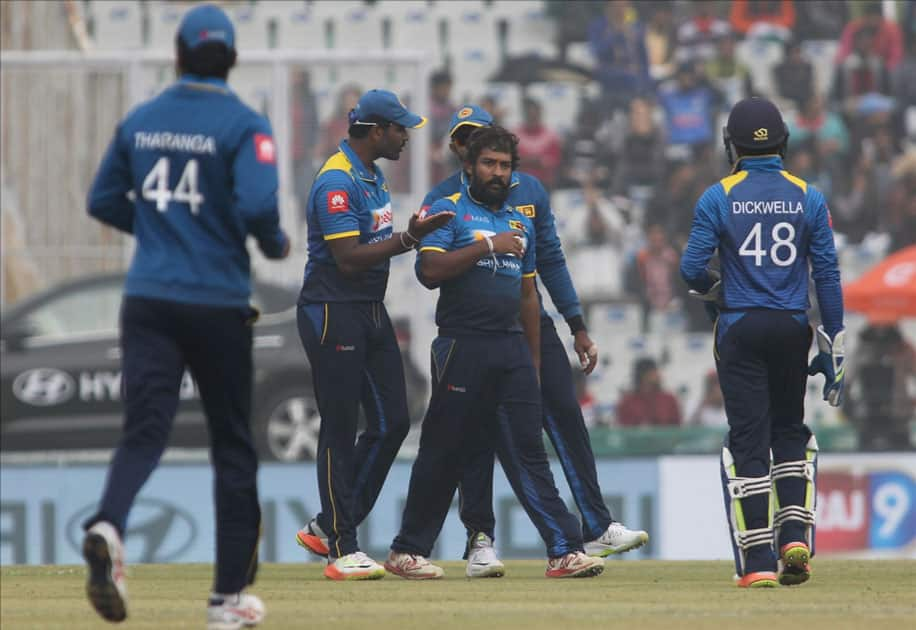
(206,23)
(472,115)
(385,105)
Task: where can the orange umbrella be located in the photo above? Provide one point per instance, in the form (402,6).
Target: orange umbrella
(886,292)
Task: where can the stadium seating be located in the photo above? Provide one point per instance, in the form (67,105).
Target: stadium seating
(530,30)
(116,24)
(416,25)
(471,39)
(560,103)
(299,25)
(760,56)
(163,20)
(822,54)
(252,26)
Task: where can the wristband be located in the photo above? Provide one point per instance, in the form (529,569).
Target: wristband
(411,237)
(489,242)
(576,323)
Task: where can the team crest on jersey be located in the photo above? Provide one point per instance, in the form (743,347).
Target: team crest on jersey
(338,201)
(527,210)
(517,225)
(264,149)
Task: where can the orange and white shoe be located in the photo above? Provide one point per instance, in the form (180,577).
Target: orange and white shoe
(575,564)
(106,585)
(757,579)
(311,537)
(412,567)
(793,560)
(354,566)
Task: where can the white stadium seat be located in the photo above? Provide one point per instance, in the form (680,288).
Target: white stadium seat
(530,31)
(414,25)
(299,25)
(164,18)
(560,104)
(251,26)
(760,56)
(471,41)
(117,24)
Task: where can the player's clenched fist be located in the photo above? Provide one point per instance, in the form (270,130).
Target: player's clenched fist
(510,242)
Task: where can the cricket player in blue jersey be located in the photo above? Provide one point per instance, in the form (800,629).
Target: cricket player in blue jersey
(562,417)
(346,332)
(202,168)
(768,226)
(485,357)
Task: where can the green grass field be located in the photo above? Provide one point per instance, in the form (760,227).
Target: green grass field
(842,594)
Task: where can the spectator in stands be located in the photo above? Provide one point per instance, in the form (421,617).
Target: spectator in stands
(414,377)
(441,109)
(335,128)
(618,42)
(648,403)
(794,75)
(661,39)
(903,81)
(710,410)
(763,18)
(886,44)
(853,212)
(690,106)
(658,265)
(880,375)
(497,111)
(643,154)
(821,19)
(814,119)
(861,72)
(539,148)
(671,204)
(697,37)
(900,219)
(729,76)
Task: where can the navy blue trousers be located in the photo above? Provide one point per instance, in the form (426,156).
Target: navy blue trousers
(565,426)
(484,390)
(762,361)
(159,339)
(355,360)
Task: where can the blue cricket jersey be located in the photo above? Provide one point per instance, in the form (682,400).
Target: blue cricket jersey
(347,199)
(487,297)
(768,226)
(528,196)
(202,169)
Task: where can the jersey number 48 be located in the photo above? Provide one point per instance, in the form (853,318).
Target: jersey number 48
(782,252)
(156,186)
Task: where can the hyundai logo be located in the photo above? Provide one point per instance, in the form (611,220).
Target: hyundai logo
(44,387)
(157,531)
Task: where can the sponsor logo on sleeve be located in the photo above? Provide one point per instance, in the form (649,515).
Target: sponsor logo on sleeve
(264,149)
(527,210)
(338,201)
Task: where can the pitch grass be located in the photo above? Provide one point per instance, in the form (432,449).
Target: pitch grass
(860,595)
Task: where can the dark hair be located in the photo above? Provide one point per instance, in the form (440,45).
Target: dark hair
(641,367)
(462,134)
(361,131)
(493,138)
(210,59)
(440,77)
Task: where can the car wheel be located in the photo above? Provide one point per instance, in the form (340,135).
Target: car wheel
(288,425)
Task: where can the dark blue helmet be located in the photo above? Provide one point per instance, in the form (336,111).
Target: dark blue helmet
(755,124)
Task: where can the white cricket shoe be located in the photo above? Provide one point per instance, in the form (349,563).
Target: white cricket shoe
(482,558)
(106,586)
(412,567)
(234,612)
(617,538)
(354,566)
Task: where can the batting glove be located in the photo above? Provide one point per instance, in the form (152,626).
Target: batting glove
(830,361)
